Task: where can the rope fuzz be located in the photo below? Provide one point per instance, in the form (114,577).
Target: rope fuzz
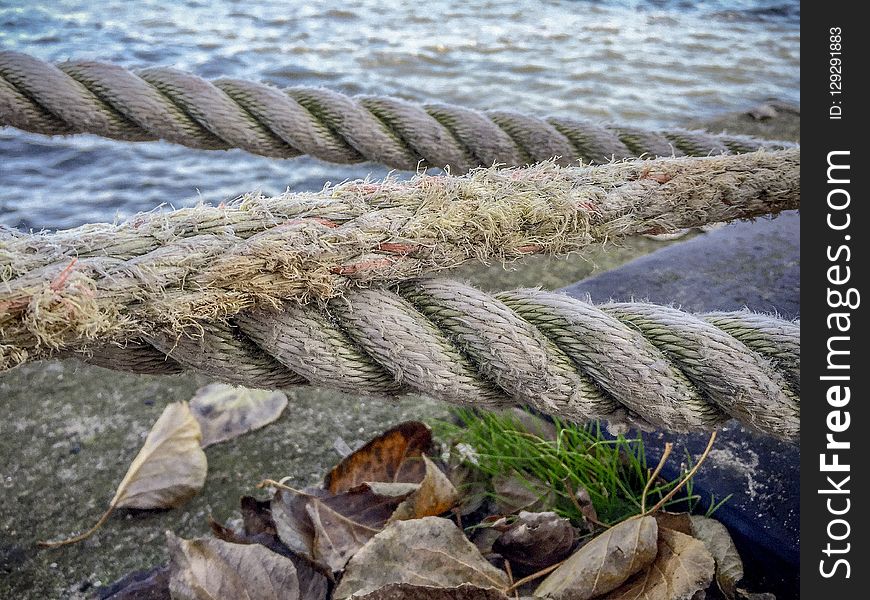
(187,267)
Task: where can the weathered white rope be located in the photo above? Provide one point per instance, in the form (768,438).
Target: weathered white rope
(162,103)
(628,363)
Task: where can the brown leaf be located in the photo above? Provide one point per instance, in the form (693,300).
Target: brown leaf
(207,568)
(257,516)
(604,563)
(345,523)
(682,568)
(392,456)
(169,469)
(534,541)
(584,503)
(292,521)
(336,538)
(259,528)
(435,495)
(406,591)
(329,529)
(513,494)
(227,411)
(423,552)
(729,566)
(681,522)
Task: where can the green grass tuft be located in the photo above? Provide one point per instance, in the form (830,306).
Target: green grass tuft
(612,471)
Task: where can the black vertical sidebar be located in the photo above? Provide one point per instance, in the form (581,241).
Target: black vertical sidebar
(835,425)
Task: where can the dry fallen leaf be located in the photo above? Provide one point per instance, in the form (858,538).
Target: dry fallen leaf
(208,568)
(406,591)
(392,456)
(434,495)
(328,529)
(513,494)
(336,538)
(168,471)
(681,522)
(604,563)
(227,411)
(387,479)
(170,468)
(422,552)
(292,521)
(729,566)
(682,568)
(534,541)
(257,527)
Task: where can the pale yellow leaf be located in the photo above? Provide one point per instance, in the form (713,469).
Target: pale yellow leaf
(227,411)
(171,466)
(682,568)
(434,495)
(605,563)
(429,552)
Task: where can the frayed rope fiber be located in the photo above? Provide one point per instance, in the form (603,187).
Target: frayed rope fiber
(163,103)
(177,269)
(180,269)
(632,364)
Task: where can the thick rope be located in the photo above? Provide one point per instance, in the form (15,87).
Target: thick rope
(629,363)
(183,268)
(167,104)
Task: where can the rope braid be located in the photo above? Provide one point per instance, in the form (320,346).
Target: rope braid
(629,363)
(167,104)
(64,290)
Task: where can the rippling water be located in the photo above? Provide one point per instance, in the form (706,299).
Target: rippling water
(649,63)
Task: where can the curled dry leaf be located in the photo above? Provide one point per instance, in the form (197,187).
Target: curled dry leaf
(170,468)
(682,568)
(329,525)
(513,494)
(227,411)
(681,522)
(434,495)
(208,568)
(168,471)
(604,563)
(291,519)
(429,552)
(393,456)
(534,541)
(729,566)
(328,529)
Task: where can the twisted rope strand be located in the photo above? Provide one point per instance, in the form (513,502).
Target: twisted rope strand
(168,104)
(118,282)
(629,363)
